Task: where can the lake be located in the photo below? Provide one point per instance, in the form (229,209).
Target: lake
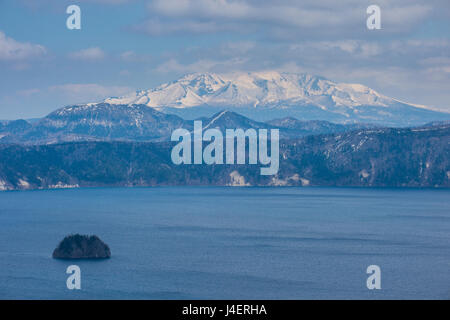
(229,243)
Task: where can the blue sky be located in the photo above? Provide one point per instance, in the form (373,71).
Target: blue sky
(126,45)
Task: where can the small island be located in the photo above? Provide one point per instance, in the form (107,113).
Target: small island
(76,246)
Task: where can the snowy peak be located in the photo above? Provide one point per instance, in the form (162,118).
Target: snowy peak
(252,89)
(268,95)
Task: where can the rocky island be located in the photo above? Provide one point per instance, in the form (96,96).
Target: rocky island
(78,246)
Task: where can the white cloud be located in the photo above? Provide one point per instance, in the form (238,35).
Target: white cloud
(282,18)
(406,16)
(240,47)
(356,48)
(52,4)
(89,54)
(220,8)
(13,50)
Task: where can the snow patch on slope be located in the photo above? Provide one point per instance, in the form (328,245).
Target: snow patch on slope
(236,180)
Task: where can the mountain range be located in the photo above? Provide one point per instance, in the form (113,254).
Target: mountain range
(297,104)
(110,122)
(332,135)
(265,96)
(382,157)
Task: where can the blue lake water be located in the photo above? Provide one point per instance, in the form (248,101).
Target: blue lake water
(229,243)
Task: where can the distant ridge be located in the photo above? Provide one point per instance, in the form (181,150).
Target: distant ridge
(382,157)
(106,122)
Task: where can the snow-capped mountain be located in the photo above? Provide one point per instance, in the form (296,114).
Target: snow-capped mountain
(254,89)
(302,104)
(269,95)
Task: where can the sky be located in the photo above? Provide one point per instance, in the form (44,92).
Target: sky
(127,45)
